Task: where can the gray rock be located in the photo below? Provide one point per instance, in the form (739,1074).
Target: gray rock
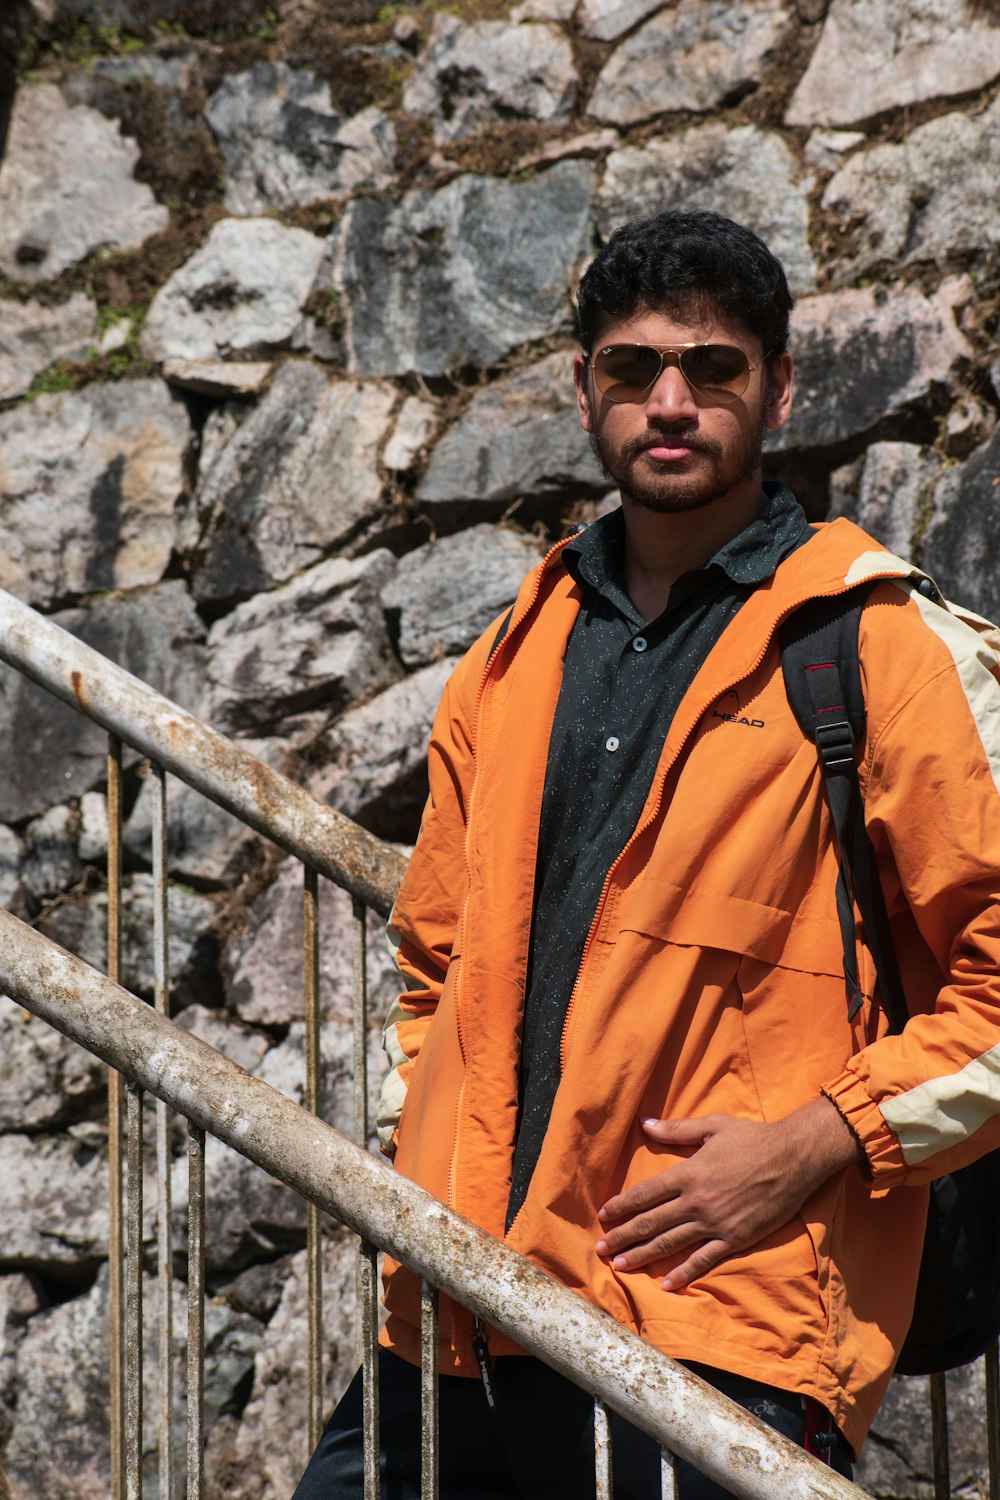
(520,440)
(590,143)
(60,1429)
(221,426)
(18,1301)
(81,926)
(93,840)
(45,1079)
(959,544)
(877,55)
(263,960)
(898,347)
(968,423)
(11,853)
(205,843)
(53,1204)
(67,187)
(284,1068)
(604,20)
(317,642)
(438,281)
(33,336)
(826,149)
(60,1422)
(283,142)
(897,1460)
(267,1459)
(697,55)
(895,484)
(241,294)
(376,755)
(489,73)
(51,752)
(415,425)
(934,195)
(91,481)
(219,378)
(52,861)
(743,172)
(298,479)
(544,10)
(171,66)
(446,593)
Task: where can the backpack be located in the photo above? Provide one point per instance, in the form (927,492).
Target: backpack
(956,1312)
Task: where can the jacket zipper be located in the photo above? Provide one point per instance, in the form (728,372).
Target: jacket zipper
(514,626)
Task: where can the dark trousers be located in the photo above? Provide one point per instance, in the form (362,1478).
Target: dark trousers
(537,1444)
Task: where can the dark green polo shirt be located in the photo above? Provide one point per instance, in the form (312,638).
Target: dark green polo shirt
(623,681)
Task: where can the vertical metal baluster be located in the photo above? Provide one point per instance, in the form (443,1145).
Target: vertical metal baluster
(161,992)
(359,1011)
(428,1392)
(116,1287)
(668,1476)
(133,1297)
(360,967)
(369,1362)
(602,1451)
(991,1360)
(196,1315)
(939,1438)
(314,1248)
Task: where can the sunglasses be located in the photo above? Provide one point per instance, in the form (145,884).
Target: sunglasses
(625,372)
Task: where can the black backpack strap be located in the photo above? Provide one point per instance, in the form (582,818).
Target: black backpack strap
(819,660)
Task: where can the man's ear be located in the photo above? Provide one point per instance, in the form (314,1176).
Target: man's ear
(778,406)
(581,379)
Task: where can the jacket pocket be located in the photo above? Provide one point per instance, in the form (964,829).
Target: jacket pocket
(711,919)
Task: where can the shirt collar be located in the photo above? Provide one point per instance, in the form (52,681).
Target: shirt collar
(596,556)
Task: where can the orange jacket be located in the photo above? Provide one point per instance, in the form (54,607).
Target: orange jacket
(712,977)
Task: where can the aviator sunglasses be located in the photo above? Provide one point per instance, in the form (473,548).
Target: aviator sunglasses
(625,372)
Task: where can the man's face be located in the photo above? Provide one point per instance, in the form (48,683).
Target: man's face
(675,449)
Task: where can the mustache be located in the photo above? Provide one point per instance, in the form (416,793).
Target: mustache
(686,437)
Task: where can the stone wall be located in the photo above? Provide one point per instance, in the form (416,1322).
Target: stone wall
(286,414)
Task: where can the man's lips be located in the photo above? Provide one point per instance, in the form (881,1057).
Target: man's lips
(670,449)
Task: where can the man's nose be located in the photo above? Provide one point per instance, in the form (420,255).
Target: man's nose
(670,398)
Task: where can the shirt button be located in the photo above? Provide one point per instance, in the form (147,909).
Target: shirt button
(612,742)
(639,643)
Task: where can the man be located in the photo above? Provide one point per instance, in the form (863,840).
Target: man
(625,1043)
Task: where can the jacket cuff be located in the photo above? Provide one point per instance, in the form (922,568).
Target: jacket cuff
(886,1163)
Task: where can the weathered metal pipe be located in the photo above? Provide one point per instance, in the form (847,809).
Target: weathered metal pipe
(225,772)
(503,1288)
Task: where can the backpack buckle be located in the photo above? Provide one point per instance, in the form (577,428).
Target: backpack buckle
(835,744)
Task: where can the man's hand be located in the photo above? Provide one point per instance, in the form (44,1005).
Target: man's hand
(743,1180)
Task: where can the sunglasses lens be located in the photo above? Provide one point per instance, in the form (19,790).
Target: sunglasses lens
(716,367)
(624,372)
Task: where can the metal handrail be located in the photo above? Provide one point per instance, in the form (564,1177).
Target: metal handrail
(544,1317)
(256,793)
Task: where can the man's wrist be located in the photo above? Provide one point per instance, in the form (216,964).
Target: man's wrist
(826,1138)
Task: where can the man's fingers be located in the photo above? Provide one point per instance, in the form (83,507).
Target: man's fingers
(641,1197)
(693,1132)
(657,1247)
(702,1261)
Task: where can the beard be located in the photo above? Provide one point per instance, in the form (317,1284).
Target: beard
(672,488)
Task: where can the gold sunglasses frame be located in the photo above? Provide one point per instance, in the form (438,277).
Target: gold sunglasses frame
(712,392)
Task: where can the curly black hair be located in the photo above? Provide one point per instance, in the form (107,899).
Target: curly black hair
(685,262)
